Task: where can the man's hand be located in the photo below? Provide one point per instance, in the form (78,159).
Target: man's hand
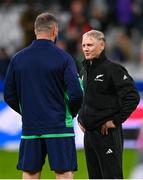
(81,127)
(106,126)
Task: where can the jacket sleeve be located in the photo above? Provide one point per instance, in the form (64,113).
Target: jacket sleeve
(73,87)
(10,93)
(127,93)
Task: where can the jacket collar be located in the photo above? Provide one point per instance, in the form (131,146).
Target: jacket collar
(96,61)
(41,43)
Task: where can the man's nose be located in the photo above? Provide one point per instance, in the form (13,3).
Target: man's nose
(86,49)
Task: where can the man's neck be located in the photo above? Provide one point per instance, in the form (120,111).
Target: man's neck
(44,36)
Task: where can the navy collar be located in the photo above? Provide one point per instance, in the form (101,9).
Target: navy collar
(42,43)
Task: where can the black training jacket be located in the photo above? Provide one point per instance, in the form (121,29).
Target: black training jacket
(109,93)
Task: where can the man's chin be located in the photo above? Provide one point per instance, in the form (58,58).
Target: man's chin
(88,58)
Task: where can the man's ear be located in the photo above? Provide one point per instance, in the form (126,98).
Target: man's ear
(102,45)
(54,31)
(35,31)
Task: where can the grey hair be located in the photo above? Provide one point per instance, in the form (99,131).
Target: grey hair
(45,21)
(95,34)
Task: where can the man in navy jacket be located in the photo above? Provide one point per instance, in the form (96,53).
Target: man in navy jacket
(42,85)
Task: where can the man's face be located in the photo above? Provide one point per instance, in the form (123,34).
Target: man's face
(91,47)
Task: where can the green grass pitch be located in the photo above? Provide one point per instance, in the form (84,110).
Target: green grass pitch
(8,161)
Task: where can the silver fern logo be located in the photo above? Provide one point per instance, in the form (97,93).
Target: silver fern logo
(99,77)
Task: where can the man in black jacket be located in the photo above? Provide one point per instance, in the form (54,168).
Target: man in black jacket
(110,97)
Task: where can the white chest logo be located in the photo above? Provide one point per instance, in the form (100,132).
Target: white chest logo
(125,77)
(99,77)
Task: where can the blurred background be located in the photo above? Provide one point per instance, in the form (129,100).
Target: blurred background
(122,23)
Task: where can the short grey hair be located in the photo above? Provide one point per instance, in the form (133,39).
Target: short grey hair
(95,34)
(45,21)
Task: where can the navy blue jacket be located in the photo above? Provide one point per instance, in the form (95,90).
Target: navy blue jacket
(42,85)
